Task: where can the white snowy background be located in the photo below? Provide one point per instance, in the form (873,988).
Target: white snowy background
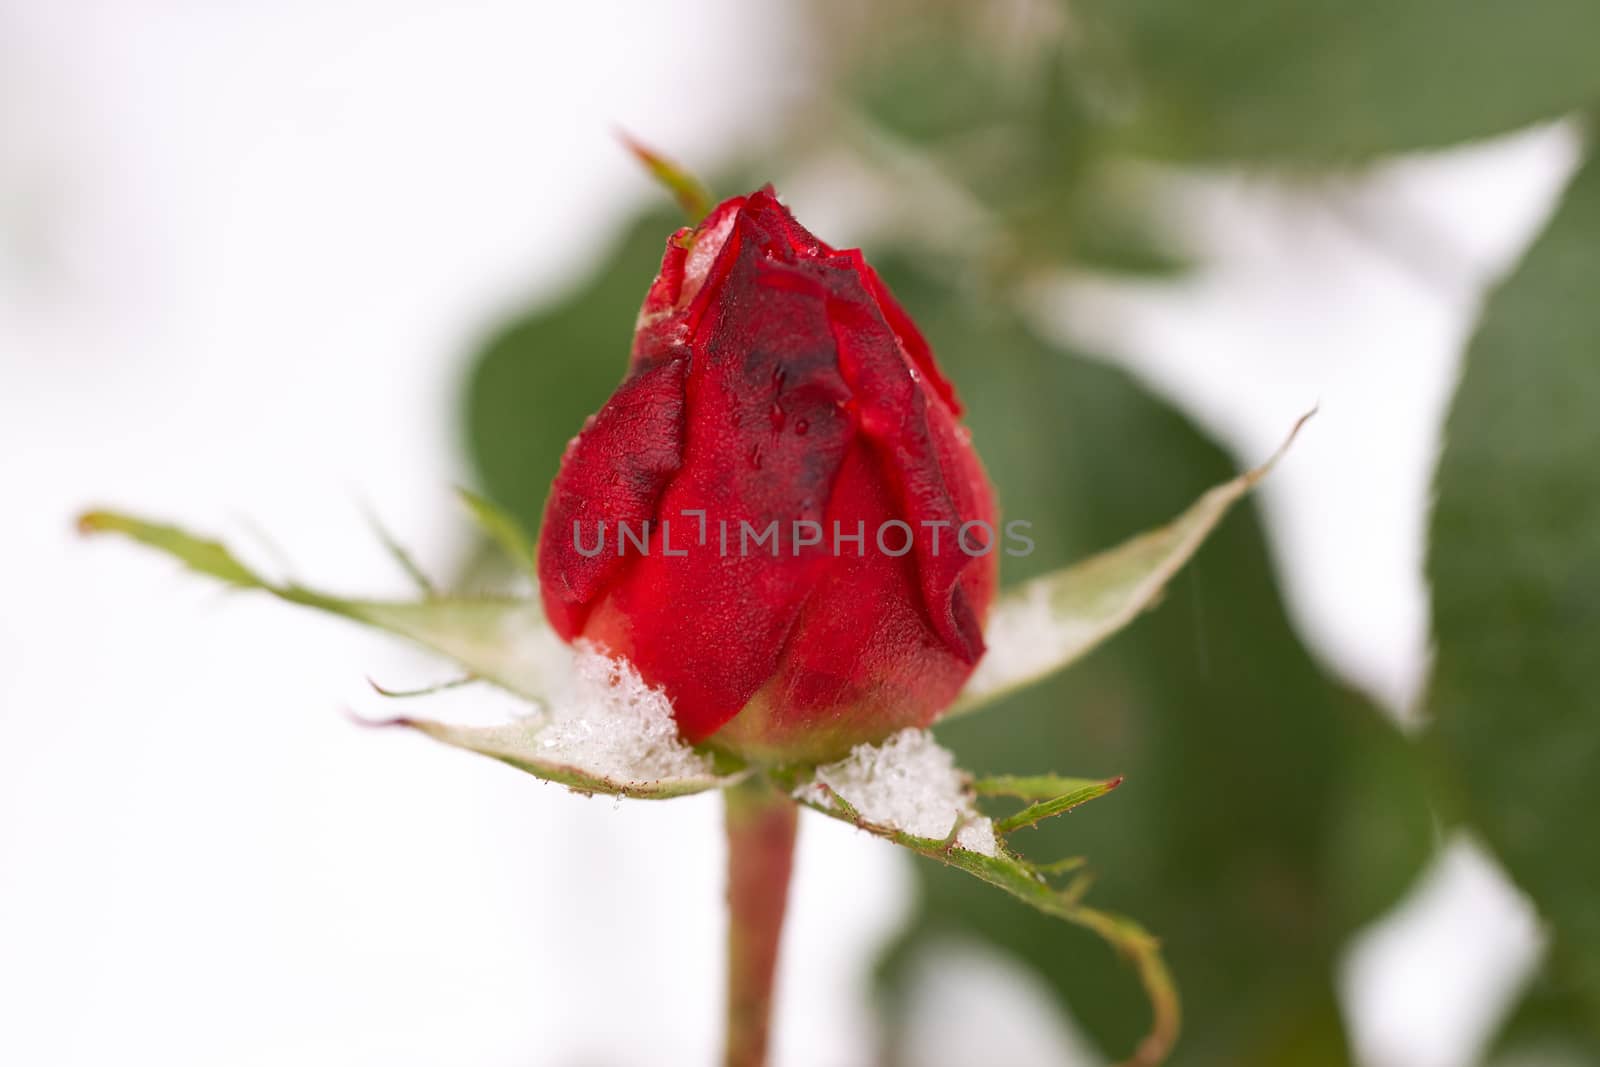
(244,250)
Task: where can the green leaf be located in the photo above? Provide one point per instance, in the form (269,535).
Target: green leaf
(1514,562)
(1038,786)
(1316,81)
(1034,814)
(1268,812)
(210,558)
(503,641)
(1030,883)
(1044,625)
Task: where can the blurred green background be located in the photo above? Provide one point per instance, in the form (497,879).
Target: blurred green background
(1272,811)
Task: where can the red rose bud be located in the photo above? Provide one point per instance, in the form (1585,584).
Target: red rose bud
(776,517)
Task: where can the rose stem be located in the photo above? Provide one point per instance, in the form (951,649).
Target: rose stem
(761,824)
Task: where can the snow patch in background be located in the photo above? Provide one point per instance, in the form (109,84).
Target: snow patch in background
(1423,992)
(1355,294)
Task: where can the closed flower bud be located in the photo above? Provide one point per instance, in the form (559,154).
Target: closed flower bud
(776,517)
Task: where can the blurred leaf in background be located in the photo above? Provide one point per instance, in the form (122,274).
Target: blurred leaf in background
(1515,568)
(1268,812)
(1007,111)
(1320,81)
(1037,108)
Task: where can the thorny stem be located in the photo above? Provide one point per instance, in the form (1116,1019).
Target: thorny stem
(761,823)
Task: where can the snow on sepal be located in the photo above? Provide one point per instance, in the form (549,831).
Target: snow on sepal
(907,782)
(602,731)
(517,745)
(591,724)
(908,790)
(1048,623)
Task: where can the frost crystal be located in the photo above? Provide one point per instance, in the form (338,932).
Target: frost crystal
(606,721)
(907,783)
